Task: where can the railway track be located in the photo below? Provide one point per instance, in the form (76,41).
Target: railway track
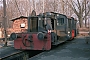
(9,53)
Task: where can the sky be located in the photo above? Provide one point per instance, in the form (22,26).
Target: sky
(1,3)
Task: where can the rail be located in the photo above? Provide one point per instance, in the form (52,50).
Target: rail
(9,53)
(4,38)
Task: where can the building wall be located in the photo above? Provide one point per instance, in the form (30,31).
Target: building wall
(17,23)
(16,26)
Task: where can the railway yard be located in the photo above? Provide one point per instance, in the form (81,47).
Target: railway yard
(40,38)
(76,49)
(64,44)
(45,30)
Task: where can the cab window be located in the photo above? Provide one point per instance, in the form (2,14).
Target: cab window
(34,24)
(60,21)
(69,23)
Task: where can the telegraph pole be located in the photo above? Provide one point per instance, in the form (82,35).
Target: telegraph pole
(4,22)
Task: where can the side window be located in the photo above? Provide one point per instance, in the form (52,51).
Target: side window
(60,21)
(69,23)
(41,23)
(49,23)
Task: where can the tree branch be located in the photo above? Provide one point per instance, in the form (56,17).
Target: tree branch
(79,4)
(76,4)
(87,14)
(83,9)
(74,9)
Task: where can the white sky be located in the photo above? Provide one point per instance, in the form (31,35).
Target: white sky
(1,3)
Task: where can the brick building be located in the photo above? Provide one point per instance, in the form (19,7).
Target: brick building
(17,23)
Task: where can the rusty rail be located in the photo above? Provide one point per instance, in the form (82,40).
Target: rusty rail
(4,38)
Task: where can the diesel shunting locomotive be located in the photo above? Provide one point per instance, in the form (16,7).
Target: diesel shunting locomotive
(44,30)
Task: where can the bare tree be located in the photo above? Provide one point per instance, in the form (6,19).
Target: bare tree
(17,8)
(79,9)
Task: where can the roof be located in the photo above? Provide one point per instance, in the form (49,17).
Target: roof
(69,17)
(74,18)
(54,13)
(19,18)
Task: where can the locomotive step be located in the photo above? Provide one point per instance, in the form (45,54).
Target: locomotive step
(58,42)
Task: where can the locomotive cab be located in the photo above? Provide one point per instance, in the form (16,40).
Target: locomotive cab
(59,27)
(69,26)
(62,27)
(75,27)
